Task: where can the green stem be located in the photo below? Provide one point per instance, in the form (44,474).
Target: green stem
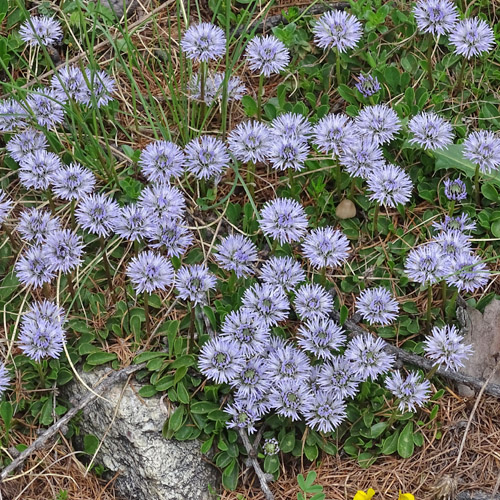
(251,178)
(451,306)
(259,97)
(444,293)
(41,374)
(432,371)
(458,85)
(51,201)
(203,82)
(323,276)
(352,189)
(451,208)
(72,214)
(429,310)
(477,192)
(375,220)
(191,329)
(290,178)
(146,314)
(337,68)
(429,63)
(338,180)
(107,267)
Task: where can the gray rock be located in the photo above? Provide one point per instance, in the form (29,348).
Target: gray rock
(484,335)
(119,6)
(151,467)
(476,495)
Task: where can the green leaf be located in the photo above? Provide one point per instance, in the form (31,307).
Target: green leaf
(182,393)
(287,443)
(203,407)
(311,452)
(271,464)
(6,412)
(90,444)
(406,445)
(100,358)
(452,158)
(230,475)
(147,391)
(8,286)
(176,419)
(489,192)
(249,105)
(390,444)
(146,356)
(378,429)
(46,417)
(344,313)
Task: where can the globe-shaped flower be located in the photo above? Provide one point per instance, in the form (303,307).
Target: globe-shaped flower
(244,414)
(288,153)
(206,157)
(368,85)
(430,131)
(35,224)
(453,243)
(134,222)
(171,235)
(237,253)
(204,42)
(267,55)
(12,115)
(313,301)
(250,142)
(283,219)
(100,86)
(268,303)
(220,360)
(326,247)
(291,125)
(41,30)
(162,201)
(270,447)
(46,105)
(4,378)
(288,363)
(437,17)
(5,206)
(34,268)
(324,412)
(161,161)
(321,336)
(288,397)
(412,392)
(338,377)
(472,37)
(97,214)
(46,310)
(378,122)
(25,142)
(455,190)
(361,156)
(64,249)
(72,182)
(390,185)
(483,148)
(247,329)
(149,272)
(38,168)
(446,346)
(69,82)
(377,306)
(427,264)
(333,132)
(368,356)
(41,339)
(252,381)
(460,222)
(194,282)
(282,271)
(214,88)
(467,272)
(337,29)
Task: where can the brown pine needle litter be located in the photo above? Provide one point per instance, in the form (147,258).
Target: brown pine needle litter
(57,469)
(421,474)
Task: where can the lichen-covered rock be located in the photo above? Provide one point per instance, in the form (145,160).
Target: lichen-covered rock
(151,467)
(119,6)
(483,333)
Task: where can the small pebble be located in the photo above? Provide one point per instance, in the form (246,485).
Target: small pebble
(346,209)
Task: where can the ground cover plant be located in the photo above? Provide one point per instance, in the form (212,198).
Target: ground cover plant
(220,205)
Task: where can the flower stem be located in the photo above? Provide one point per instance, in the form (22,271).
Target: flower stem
(338,180)
(432,371)
(429,310)
(50,199)
(429,64)
(290,177)
(203,83)
(375,220)
(72,213)
(337,68)
(444,293)
(451,208)
(458,85)
(146,314)
(451,306)
(251,178)
(259,97)
(107,268)
(477,192)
